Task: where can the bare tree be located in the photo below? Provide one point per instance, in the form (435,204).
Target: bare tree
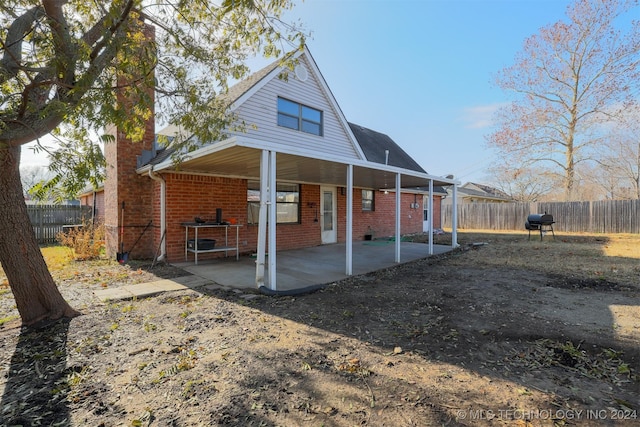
(522,184)
(31,176)
(569,79)
(619,162)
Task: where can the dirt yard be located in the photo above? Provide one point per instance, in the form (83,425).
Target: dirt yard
(503,331)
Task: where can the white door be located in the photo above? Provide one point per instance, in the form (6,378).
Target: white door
(328,215)
(425,214)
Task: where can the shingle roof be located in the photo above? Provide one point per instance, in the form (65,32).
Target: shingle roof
(243,86)
(492,191)
(484,191)
(374,145)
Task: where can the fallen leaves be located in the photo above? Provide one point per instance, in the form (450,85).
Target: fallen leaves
(607,364)
(353,366)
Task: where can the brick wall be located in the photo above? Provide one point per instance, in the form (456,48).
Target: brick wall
(190,196)
(382,220)
(123,227)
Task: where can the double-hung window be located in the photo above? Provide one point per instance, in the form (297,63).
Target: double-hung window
(300,117)
(368,200)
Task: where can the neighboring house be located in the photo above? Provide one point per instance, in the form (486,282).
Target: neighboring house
(335,181)
(94,199)
(477,193)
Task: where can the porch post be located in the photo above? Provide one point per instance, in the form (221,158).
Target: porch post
(349,237)
(398,199)
(272,220)
(430,219)
(262,218)
(454,220)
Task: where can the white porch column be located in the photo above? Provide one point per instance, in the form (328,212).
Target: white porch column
(262,217)
(454,220)
(398,212)
(349,237)
(272,221)
(430,219)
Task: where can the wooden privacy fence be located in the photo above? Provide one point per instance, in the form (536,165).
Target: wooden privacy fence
(48,220)
(607,216)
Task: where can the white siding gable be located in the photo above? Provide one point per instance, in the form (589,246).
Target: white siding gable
(260,115)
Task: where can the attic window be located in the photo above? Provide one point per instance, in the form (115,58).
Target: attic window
(297,116)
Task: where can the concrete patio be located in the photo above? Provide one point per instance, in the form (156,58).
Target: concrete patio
(303,268)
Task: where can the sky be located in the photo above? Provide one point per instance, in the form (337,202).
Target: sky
(420,71)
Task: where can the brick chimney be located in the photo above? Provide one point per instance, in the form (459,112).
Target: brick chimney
(123,227)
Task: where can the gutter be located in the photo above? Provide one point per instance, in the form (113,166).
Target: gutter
(163,213)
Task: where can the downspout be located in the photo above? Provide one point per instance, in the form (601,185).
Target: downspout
(163,213)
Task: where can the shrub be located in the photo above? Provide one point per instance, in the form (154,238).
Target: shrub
(86,241)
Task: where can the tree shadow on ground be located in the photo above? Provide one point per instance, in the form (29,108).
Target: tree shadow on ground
(41,353)
(556,334)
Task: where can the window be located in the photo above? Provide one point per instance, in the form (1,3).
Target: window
(287,203)
(299,117)
(367,200)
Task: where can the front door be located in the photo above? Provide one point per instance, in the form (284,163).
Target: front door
(328,215)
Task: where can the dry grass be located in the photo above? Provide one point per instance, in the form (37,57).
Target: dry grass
(613,258)
(58,258)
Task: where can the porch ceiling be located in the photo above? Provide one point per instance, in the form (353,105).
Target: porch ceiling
(244,162)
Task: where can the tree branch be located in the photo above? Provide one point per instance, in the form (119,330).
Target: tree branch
(12,58)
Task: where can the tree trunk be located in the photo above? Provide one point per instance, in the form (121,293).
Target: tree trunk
(36,294)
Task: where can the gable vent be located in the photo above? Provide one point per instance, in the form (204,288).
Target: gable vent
(301,73)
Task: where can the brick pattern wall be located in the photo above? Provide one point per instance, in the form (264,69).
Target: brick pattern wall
(124,227)
(190,196)
(382,220)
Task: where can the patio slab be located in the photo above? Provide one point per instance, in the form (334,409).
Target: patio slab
(301,268)
(151,288)
(297,269)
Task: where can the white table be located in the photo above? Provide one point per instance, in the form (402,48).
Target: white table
(197,226)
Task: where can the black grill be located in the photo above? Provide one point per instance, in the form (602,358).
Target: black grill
(540,222)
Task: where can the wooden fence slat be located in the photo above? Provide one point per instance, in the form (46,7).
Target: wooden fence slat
(606,216)
(48,220)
